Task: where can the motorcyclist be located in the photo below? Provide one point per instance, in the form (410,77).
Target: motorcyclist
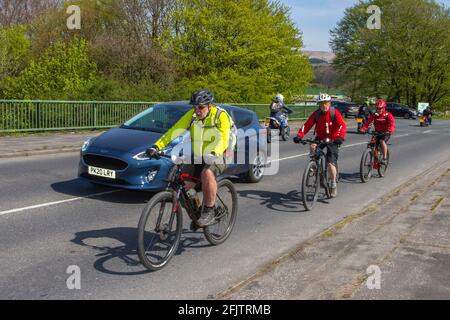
(364,111)
(384,123)
(427,114)
(278,109)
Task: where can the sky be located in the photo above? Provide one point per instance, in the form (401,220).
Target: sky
(315,18)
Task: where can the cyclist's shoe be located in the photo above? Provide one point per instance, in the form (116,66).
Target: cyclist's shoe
(383,162)
(193,226)
(333,189)
(207,217)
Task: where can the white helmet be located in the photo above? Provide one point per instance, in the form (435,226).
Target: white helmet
(323,97)
(279,98)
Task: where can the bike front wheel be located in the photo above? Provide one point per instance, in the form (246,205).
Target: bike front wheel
(310,185)
(285,133)
(159,231)
(366,166)
(226,212)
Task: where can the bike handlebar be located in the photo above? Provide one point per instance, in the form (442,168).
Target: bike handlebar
(311,141)
(378,134)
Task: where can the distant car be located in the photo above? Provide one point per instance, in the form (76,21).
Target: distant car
(117,157)
(347,109)
(399,110)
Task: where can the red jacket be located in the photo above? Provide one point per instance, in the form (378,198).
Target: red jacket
(325,128)
(384,122)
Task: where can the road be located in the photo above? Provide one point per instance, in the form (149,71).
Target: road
(48,224)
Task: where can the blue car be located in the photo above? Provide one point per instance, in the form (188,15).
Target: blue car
(117,157)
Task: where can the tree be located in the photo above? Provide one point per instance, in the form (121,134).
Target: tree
(248,50)
(14,51)
(407,59)
(21,12)
(62,71)
(119,35)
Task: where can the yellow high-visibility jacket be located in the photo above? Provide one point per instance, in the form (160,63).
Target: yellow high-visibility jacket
(206,136)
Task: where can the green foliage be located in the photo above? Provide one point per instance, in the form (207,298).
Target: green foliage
(243,50)
(14,51)
(63,70)
(407,59)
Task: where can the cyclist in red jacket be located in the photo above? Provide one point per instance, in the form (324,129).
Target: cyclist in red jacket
(384,123)
(330,127)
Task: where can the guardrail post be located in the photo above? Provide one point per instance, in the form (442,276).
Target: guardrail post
(95,114)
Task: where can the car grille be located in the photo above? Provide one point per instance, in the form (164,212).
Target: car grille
(104,162)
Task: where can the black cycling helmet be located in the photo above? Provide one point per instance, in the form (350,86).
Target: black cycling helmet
(201,97)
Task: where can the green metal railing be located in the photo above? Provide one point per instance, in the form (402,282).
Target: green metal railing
(37,115)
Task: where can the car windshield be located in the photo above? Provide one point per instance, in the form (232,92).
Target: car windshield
(159,118)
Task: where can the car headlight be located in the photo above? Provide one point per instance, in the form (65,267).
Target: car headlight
(144,157)
(85,145)
(141,156)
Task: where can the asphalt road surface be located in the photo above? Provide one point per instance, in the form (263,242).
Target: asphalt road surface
(50,220)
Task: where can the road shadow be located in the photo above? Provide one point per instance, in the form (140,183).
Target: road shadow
(81,188)
(117,248)
(349,177)
(277,201)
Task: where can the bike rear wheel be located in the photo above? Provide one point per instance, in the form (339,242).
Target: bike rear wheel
(366,166)
(310,185)
(382,168)
(159,231)
(226,212)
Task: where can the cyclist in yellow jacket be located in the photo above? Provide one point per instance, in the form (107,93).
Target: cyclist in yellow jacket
(210,129)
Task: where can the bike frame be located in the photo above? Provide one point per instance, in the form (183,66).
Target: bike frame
(177,186)
(375,145)
(320,159)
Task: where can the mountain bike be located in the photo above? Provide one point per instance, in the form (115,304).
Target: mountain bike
(371,159)
(316,175)
(161,223)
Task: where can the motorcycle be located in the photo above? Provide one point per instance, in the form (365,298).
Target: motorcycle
(360,121)
(423,120)
(279,123)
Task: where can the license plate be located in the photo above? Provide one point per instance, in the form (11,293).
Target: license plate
(105,173)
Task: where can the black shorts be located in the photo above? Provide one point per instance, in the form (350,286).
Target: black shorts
(332,155)
(384,137)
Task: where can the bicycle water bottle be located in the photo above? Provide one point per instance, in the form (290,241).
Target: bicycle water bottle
(192,194)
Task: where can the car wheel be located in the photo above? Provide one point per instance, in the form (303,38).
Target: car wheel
(407,116)
(257,168)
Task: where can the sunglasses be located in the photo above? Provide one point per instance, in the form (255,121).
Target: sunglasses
(201,107)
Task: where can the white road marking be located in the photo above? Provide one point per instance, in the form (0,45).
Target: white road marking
(345,146)
(55,202)
(114,191)
(428,131)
